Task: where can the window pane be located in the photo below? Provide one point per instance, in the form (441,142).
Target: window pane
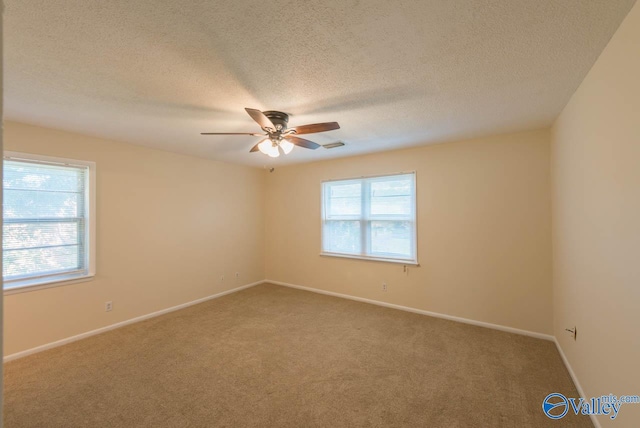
(39,261)
(343,199)
(25,175)
(38,204)
(342,237)
(391,237)
(39,234)
(391,197)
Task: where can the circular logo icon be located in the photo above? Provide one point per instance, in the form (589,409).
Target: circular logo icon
(555,405)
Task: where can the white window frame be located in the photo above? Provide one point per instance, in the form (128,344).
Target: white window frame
(36,283)
(365,223)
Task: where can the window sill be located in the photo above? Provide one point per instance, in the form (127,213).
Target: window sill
(27,285)
(371,259)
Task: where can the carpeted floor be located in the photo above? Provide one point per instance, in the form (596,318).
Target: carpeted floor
(271,356)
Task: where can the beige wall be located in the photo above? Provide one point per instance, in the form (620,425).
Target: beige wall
(596,230)
(168,226)
(483,230)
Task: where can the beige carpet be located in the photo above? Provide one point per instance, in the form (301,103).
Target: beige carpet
(271,356)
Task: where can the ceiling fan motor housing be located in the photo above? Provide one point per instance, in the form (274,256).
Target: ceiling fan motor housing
(277,118)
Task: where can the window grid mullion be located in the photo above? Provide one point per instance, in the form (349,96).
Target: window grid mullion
(82,225)
(365,227)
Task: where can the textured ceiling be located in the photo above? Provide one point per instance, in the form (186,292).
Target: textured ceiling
(392,73)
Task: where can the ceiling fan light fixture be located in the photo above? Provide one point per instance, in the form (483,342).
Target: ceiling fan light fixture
(270,148)
(265,146)
(286,146)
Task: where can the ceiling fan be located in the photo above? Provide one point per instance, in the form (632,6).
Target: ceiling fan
(278,136)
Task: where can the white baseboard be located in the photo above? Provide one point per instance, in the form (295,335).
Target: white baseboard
(576,382)
(122,323)
(419,311)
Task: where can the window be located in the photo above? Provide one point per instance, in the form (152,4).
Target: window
(372,218)
(49,221)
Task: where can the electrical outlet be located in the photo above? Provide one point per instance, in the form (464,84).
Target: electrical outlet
(222,278)
(384,286)
(108,306)
(237,275)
